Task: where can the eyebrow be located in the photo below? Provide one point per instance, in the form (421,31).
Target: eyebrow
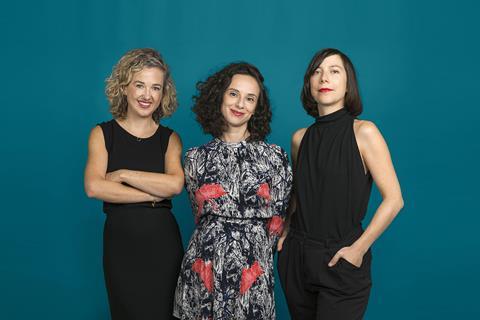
(248,94)
(141,82)
(336,66)
(332,66)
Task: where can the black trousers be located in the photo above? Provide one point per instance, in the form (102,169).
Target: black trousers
(316,291)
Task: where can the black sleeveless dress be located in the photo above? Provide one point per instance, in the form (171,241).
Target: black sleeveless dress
(142,249)
(332,192)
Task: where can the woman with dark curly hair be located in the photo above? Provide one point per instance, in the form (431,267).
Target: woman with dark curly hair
(239,188)
(324,262)
(134,167)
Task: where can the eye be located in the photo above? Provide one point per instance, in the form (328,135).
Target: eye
(232,94)
(139,86)
(156,88)
(317,71)
(335,71)
(251,99)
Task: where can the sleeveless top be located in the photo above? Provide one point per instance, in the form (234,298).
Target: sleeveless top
(331,187)
(125,151)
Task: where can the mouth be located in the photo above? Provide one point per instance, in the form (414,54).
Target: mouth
(144,104)
(325,90)
(237,113)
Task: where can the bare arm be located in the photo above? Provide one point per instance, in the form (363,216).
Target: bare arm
(376,156)
(163,185)
(96,186)
(295,145)
(296,141)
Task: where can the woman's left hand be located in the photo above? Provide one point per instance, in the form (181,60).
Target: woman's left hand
(351,254)
(114,176)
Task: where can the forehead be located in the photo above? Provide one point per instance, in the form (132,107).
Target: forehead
(149,74)
(245,83)
(332,60)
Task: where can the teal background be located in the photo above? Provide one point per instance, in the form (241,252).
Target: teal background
(417,63)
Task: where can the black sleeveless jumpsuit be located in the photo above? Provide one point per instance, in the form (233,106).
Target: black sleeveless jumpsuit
(142,248)
(332,193)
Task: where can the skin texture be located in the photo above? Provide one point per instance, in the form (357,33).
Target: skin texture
(373,150)
(238,106)
(143,94)
(330,74)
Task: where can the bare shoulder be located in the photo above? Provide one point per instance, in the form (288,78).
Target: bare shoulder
(298,136)
(175,140)
(369,138)
(96,135)
(97,151)
(366,130)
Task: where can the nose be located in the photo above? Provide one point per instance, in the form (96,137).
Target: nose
(240,103)
(147,93)
(323,77)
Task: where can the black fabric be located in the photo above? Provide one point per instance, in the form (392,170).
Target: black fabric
(142,243)
(316,291)
(332,192)
(126,151)
(331,187)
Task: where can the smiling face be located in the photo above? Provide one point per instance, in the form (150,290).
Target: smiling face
(144,93)
(328,83)
(240,100)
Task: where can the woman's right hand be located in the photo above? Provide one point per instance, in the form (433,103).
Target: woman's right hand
(280,241)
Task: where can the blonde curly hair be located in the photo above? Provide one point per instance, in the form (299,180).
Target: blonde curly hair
(134,61)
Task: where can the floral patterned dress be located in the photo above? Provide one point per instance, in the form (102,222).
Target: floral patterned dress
(239,194)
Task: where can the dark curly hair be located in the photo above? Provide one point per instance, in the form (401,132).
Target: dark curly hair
(209,100)
(353,103)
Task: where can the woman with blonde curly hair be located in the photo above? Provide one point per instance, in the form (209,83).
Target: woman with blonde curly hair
(134,166)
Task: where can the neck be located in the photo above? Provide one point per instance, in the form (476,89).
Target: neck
(139,126)
(233,135)
(325,110)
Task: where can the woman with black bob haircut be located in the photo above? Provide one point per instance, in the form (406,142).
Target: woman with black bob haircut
(239,188)
(324,259)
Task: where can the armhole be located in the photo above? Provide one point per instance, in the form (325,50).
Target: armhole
(366,172)
(165,134)
(107,129)
(300,146)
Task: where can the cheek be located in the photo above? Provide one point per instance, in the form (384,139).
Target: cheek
(227,101)
(134,93)
(312,87)
(158,95)
(343,82)
(251,109)
(224,109)
(128,92)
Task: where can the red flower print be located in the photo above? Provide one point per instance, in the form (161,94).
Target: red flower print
(264,191)
(204,270)
(249,275)
(207,192)
(275,225)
